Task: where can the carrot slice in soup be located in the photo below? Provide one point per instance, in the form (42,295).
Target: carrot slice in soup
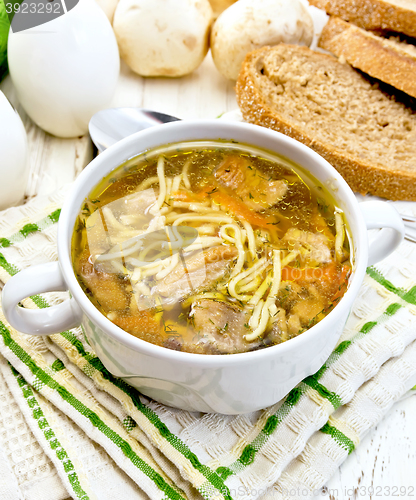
(241,210)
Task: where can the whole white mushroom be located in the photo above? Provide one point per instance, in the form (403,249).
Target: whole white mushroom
(250,24)
(163,37)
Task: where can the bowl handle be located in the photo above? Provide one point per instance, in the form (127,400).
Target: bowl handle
(382,215)
(33,280)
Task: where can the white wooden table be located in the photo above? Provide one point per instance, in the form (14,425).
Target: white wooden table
(387,456)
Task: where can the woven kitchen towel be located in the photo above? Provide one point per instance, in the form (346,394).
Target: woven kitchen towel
(23,462)
(105,440)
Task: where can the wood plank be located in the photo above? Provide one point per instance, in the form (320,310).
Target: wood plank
(205,93)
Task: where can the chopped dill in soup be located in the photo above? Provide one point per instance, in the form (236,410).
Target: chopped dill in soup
(211,248)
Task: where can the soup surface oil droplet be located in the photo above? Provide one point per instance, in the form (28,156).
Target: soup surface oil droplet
(212,248)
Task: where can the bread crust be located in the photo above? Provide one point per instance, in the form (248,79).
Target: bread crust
(362,176)
(371,14)
(320,4)
(378,57)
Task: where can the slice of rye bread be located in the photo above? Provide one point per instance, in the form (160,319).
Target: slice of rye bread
(389,15)
(388,60)
(363,132)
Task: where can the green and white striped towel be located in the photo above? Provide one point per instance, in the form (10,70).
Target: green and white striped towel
(81,432)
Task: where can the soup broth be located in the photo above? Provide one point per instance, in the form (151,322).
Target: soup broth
(211,248)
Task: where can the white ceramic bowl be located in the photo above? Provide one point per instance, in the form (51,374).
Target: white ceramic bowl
(235,383)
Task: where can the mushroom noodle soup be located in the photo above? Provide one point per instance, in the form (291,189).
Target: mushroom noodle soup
(211,248)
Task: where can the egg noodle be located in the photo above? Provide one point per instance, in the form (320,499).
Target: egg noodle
(255,275)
